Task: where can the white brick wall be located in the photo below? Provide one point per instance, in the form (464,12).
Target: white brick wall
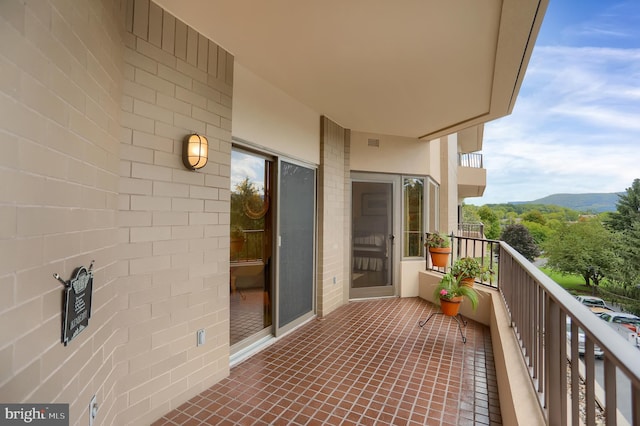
(60,96)
(95,99)
(332,221)
(171,88)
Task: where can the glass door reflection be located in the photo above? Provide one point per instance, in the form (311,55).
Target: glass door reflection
(250,250)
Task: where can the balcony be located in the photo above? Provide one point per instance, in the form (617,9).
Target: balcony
(369,362)
(366,363)
(472,176)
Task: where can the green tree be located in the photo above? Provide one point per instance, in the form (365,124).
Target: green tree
(628,209)
(628,275)
(491,222)
(518,237)
(246,197)
(534,216)
(539,232)
(470,213)
(584,248)
(511,217)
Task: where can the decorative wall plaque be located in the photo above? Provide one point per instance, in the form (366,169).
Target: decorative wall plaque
(76,309)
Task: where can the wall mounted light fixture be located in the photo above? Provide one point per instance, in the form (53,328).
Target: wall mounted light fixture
(195,151)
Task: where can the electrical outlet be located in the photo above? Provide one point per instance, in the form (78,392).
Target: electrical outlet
(93,410)
(201,337)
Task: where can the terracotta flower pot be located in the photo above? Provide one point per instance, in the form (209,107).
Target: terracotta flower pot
(450,307)
(236,245)
(468,282)
(440,256)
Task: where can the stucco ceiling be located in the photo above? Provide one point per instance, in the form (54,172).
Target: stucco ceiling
(417,68)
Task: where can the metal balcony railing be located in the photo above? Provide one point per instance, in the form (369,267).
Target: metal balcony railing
(581,371)
(472,159)
(252,249)
(471,229)
(549,324)
(483,250)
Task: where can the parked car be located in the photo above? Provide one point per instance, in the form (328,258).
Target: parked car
(592,301)
(627,325)
(598,310)
(597,351)
(630,321)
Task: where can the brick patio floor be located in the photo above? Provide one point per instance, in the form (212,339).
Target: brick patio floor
(367,363)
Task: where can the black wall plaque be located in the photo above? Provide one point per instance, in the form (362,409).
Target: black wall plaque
(77,303)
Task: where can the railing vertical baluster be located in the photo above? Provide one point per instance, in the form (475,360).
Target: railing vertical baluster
(554,387)
(562,365)
(610,393)
(635,407)
(533,325)
(540,330)
(590,394)
(575,376)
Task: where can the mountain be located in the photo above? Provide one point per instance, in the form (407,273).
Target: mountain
(595,203)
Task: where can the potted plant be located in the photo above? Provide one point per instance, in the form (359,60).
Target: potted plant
(439,248)
(237,239)
(450,293)
(468,269)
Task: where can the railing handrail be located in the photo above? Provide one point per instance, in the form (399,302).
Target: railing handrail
(479,248)
(538,308)
(471,159)
(600,331)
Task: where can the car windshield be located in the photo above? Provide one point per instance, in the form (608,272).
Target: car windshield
(627,320)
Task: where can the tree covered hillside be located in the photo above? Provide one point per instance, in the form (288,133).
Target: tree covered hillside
(593,203)
(603,248)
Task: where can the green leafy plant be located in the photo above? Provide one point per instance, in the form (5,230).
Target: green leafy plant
(437,240)
(469,267)
(450,287)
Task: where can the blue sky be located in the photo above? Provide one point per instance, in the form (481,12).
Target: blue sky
(575,127)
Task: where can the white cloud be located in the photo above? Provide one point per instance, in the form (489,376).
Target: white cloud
(575,127)
(246,166)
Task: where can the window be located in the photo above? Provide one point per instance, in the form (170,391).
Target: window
(413,210)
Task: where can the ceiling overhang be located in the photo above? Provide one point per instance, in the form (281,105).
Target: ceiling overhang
(416,68)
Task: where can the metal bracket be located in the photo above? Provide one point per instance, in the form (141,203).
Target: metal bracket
(68,283)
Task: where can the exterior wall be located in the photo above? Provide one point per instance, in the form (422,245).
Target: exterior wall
(174,223)
(409,270)
(452,182)
(92,120)
(448,184)
(60,94)
(394,155)
(333,242)
(347,194)
(266,116)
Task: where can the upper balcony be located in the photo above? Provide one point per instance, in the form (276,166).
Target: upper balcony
(472,176)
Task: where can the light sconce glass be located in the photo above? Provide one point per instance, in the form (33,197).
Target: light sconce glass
(195,152)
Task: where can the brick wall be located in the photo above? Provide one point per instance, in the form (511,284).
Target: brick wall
(95,100)
(333,229)
(60,95)
(174,223)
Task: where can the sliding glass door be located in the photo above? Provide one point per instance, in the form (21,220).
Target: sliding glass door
(251,247)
